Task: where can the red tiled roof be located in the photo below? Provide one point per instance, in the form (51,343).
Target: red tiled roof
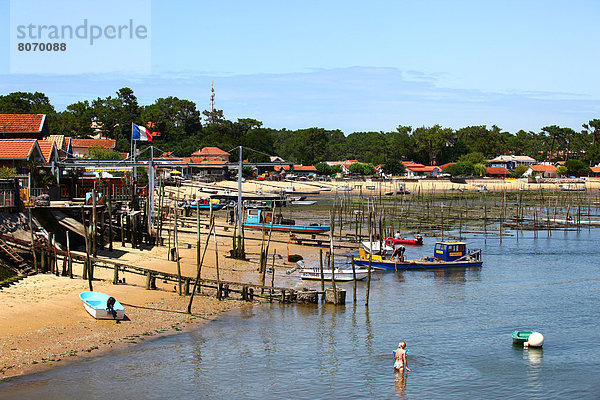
(303,168)
(210,151)
(496,171)
(47,148)
(21,123)
(444,166)
(595,169)
(543,168)
(17,149)
(108,143)
(424,168)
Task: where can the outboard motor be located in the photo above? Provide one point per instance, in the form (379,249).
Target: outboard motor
(110,306)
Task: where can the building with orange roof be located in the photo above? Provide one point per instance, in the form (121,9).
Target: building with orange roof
(49,151)
(497,172)
(18,153)
(542,170)
(212,153)
(81,147)
(296,169)
(23,126)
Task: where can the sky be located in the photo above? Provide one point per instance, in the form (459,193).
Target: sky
(348,65)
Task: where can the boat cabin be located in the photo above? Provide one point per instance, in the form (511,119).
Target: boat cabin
(450,251)
(258,216)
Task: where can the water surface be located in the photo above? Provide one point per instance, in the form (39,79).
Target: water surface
(457,324)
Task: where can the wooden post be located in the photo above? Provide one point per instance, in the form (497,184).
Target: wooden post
(70,260)
(122,229)
(199,271)
(331,259)
(354,279)
(370,258)
(35,262)
(110,220)
(322,274)
(176,239)
(212,216)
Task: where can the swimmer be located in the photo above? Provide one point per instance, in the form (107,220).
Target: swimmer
(400,356)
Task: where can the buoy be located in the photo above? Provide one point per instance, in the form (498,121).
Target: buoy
(536,339)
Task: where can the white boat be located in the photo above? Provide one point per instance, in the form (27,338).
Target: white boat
(96,304)
(342,275)
(572,188)
(376,246)
(303,202)
(293,190)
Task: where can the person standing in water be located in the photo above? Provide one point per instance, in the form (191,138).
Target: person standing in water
(400,356)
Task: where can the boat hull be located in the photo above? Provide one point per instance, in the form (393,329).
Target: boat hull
(520,337)
(413,242)
(416,264)
(95,304)
(289,228)
(339,275)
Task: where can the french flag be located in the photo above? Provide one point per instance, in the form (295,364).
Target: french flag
(140,133)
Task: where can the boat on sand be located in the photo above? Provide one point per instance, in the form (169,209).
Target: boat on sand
(102,306)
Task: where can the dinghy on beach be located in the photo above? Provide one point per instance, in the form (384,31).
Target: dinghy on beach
(102,306)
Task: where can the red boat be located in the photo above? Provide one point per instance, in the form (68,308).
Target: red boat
(417,241)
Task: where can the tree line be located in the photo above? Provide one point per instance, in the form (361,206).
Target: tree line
(185,129)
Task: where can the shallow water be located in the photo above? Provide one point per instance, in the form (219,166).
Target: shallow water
(457,324)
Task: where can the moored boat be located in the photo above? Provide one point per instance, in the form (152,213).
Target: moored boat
(416,241)
(342,275)
(520,337)
(100,305)
(262,219)
(445,255)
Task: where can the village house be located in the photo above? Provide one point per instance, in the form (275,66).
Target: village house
(541,170)
(497,172)
(414,169)
(23,126)
(20,153)
(81,147)
(49,151)
(510,162)
(344,164)
(63,145)
(211,154)
(297,170)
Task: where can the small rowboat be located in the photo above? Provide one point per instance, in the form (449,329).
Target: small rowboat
(520,337)
(417,241)
(96,304)
(341,275)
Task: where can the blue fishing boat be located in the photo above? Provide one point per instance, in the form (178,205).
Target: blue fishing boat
(262,219)
(446,254)
(204,204)
(102,306)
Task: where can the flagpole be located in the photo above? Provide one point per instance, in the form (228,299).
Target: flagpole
(151,190)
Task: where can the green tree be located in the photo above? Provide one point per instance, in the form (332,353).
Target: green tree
(519,171)
(7,172)
(25,103)
(561,170)
(394,167)
(577,167)
(102,153)
(323,169)
(479,169)
(474,157)
(461,168)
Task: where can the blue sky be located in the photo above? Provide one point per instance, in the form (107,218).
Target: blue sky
(352,65)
